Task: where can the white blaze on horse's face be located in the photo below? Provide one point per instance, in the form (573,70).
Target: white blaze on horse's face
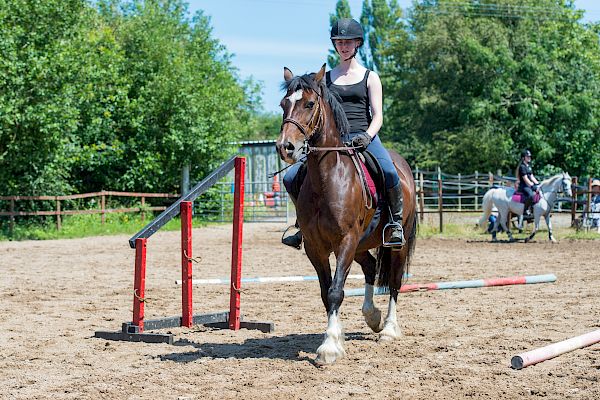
(291,140)
(297,95)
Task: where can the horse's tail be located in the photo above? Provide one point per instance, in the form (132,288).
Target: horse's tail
(388,258)
(486,205)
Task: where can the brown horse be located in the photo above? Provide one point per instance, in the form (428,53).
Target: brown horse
(332,212)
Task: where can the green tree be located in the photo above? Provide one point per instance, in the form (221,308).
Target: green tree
(382,23)
(113,94)
(477,82)
(38,113)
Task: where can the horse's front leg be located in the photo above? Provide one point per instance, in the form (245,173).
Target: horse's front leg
(332,348)
(536,226)
(549,225)
(370,312)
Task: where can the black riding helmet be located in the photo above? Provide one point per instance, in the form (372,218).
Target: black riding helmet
(347,28)
(526,153)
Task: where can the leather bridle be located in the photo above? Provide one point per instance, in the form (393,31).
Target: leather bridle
(312,127)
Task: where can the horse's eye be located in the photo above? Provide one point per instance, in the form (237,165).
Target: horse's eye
(310,104)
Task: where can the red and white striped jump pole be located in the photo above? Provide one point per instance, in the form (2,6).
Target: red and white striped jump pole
(476,283)
(553,350)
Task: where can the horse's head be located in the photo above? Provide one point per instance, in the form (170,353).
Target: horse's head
(567,184)
(302,108)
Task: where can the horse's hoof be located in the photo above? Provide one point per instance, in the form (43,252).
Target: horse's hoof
(390,332)
(527,240)
(329,352)
(374,320)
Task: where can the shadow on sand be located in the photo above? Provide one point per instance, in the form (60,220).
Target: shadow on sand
(288,347)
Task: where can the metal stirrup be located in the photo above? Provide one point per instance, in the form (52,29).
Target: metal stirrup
(393,244)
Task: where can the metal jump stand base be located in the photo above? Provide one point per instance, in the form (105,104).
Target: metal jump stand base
(131,333)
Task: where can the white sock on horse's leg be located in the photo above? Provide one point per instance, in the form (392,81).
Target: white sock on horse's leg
(370,312)
(391,330)
(332,347)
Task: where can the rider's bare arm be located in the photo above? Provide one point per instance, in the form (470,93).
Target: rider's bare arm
(527,180)
(534,180)
(376,102)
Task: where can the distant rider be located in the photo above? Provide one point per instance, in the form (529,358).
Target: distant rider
(528,184)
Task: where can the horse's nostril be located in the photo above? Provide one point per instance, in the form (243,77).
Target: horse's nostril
(289,146)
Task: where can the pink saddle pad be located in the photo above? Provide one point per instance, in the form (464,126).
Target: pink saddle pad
(519,197)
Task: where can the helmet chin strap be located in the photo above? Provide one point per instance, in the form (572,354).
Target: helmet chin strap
(353,55)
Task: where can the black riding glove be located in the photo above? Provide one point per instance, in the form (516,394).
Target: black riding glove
(534,187)
(361,140)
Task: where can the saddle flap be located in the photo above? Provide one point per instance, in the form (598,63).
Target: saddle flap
(375,170)
(519,197)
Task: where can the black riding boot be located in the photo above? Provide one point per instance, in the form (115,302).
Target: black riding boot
(394,197)
(527,209)
(294,240)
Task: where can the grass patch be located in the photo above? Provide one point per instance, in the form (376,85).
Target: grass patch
(451,231)
(470,232)
(78,226)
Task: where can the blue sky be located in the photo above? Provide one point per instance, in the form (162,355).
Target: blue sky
(266,35)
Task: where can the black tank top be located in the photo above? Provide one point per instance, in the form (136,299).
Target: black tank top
(355,101)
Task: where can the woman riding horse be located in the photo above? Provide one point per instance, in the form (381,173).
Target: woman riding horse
(360,92)
(528,184)
(335,211)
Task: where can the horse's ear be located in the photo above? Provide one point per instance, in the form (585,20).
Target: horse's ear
(319,76)
(287,74)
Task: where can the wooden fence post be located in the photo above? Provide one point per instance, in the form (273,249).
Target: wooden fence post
(459,194)
(58,221)
(11,225)
(143,204)
(422,197)
(574,201)
(588,204)
(476,191)
(441,205)
(440,200)
(102,207)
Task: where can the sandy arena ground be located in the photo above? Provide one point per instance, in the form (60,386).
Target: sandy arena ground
(456,343)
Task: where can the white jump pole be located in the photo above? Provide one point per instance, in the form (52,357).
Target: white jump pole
(553,350)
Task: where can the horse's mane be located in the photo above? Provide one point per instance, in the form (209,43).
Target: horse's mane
(550,181)
(307,82)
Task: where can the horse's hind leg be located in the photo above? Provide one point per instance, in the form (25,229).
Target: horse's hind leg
(504,222)
(372,314)
(391,329)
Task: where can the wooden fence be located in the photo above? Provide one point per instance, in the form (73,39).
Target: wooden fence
(441,193)
(437,192)
(58,211)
